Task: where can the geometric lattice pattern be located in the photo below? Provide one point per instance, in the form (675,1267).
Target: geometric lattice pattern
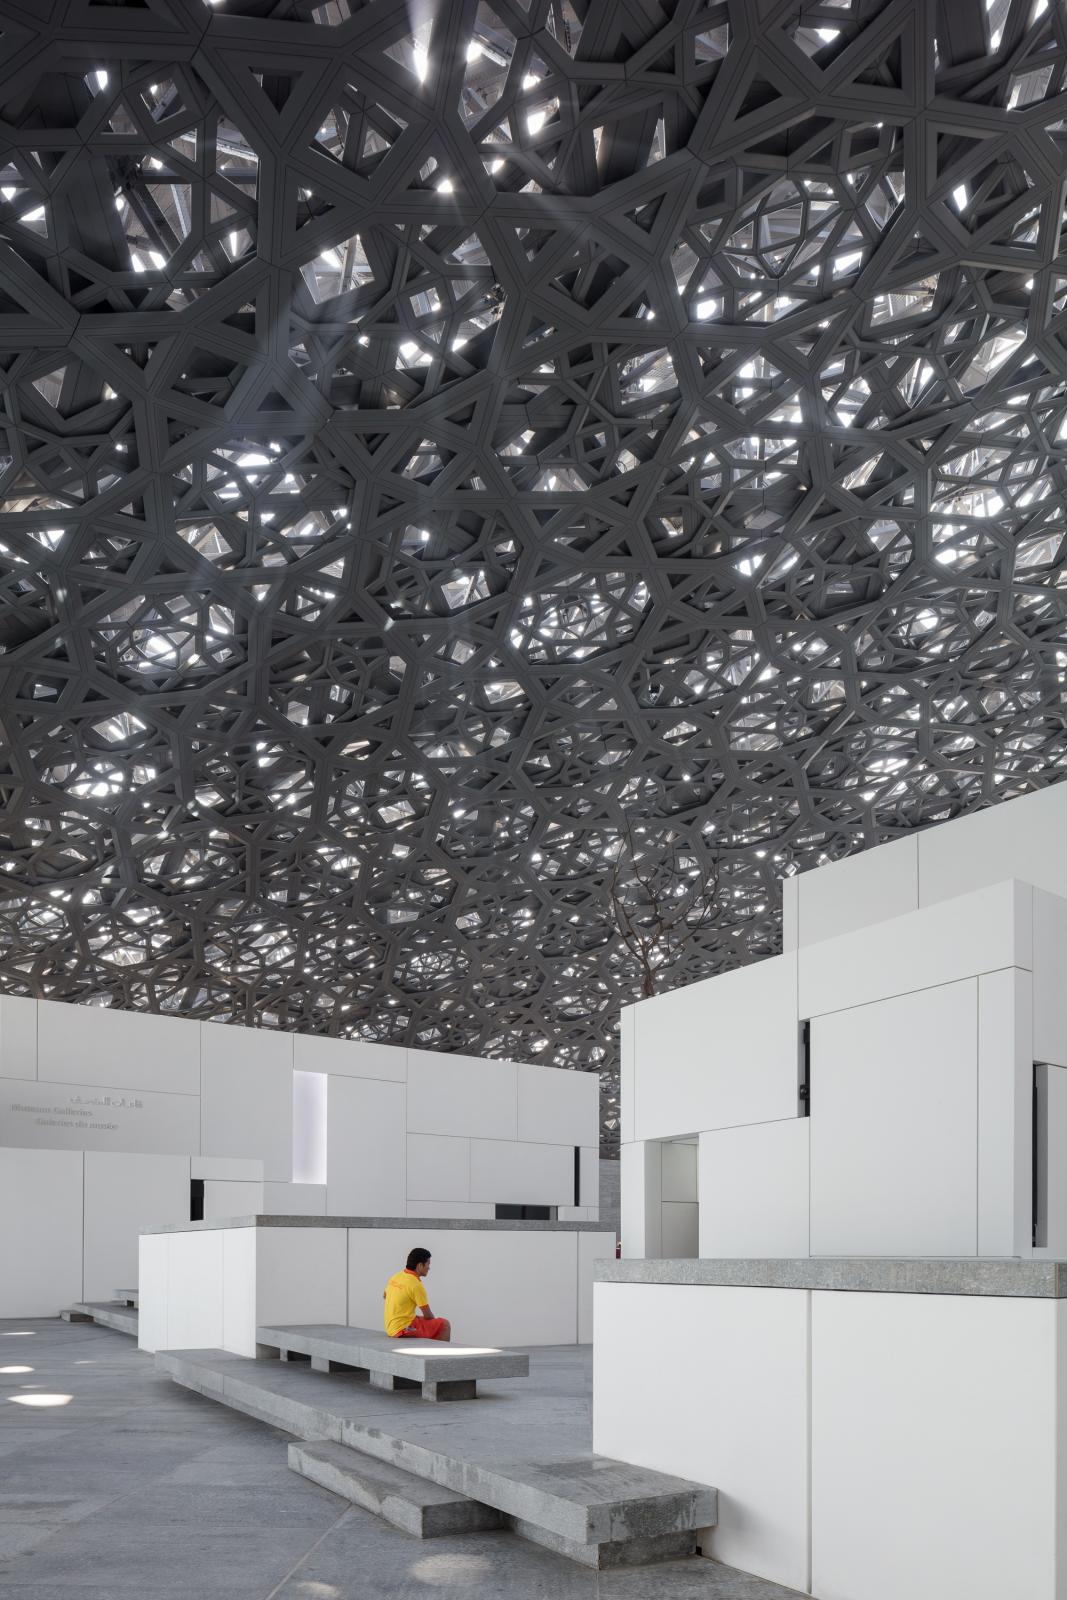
(432,435)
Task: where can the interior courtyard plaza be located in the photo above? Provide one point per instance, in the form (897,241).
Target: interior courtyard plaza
(533,857)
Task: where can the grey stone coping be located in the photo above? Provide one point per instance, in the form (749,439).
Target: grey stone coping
(460,1224)
(1034,1280)
(422,1360)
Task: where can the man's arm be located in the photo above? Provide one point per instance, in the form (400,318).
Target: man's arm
(424,1311)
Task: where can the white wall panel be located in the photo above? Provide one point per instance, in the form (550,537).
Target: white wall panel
(790,912)
(125,1049)
(83,1116)
(505,1172)
(899,1442)
(247,1096)
(704,1425)
(349,1058)
(367,1151)
(294,1199)
(1050,976)
(718,1053)
(679,1180)
(894,1126)
(681,1229)
(239,1290)
(627,1070)
(223,1199)
(41,1241)
(980,932)
(1020,838)
(439,1168)
(152,1280)
(466,1209)
(1053,1207)
(534,1278)
(754,1190)
(124,1193)
(301,1275)
(195,1318)
(640,1206)
(589,1178)
(462,1095)
(1005,1113)
(592,1247)
(868,887)
(557,1106)
(237,1169)
(18,1037)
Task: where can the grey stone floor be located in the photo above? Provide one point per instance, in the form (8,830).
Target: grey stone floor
(136,1487)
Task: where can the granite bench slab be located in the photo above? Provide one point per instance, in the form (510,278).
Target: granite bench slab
(441,1371)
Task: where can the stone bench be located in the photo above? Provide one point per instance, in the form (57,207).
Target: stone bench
(441,1371)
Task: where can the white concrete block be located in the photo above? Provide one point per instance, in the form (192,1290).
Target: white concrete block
(83,1116)
(894,1126)
(870,886)
(1020,838)
(556,1106)
(41,1241)
(1050,977)
(462,1095)
(18,1037)
(534,1279)
(889,1370)
(124,1193)
(301,1274)
(679,1171)
(589,1178)
(1005,1113)
(224,1199)
(754,1190)
(349,1058)
(124,1049)
(247,1096)
(439,1168)
(681,1229)
(235,1168)
(960,938)
(1052,1203)
(367,1160)
(195,1302)
(506,1172)
(480,1209)
(239,1290)
(627,1073)
(718,1053)
(640,1199)
(294,1199)
(152,1280)
(592,1247)
(741,1425)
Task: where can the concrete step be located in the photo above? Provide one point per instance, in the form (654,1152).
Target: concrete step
(417,1507)
(127,1297)
(594,1509)
(122,1318)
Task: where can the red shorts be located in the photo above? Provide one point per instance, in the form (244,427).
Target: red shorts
(423,1328)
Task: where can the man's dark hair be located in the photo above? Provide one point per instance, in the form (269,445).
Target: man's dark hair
(416,1258)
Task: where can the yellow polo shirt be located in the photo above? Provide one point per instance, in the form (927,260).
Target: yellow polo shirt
(403,1296)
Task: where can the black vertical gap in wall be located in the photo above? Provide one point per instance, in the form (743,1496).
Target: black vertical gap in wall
(1037,1160)
(577,1174)
(196,1200)
(804,1086)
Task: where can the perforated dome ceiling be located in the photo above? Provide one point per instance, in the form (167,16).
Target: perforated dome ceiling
(432,433)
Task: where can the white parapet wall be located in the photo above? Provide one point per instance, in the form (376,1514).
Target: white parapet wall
(107,1118)
(210,1287)
(870,1090)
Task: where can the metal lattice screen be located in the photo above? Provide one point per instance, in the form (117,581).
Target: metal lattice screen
(432,434)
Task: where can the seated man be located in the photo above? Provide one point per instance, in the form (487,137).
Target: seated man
(407,1310)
